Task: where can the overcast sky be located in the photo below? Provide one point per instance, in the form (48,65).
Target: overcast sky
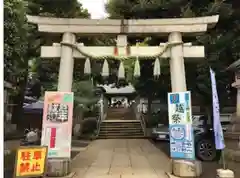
(95,8)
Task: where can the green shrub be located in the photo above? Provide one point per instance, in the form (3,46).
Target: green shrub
(9,160)
(89,125)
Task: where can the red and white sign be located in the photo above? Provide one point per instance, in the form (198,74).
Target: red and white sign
(57,124)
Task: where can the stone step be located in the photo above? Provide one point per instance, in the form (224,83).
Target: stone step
(121,125)
(121,137)
(120,121)
(120,128)
(121,131)
(125,132)
(121,134)
(118,109)
(122,117)
(120,113)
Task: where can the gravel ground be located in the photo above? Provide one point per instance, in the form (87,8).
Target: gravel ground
(209,168)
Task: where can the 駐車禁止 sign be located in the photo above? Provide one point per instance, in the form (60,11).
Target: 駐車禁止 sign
(30,161)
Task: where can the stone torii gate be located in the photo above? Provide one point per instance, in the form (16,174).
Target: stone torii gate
(175,29)
(175,49)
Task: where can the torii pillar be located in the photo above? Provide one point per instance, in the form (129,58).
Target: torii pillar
(175,29)
(66,67)
(177,67)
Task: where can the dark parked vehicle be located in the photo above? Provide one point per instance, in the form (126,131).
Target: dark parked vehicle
(205,145)
(204,139)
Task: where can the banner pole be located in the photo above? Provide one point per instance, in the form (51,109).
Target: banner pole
(223,159)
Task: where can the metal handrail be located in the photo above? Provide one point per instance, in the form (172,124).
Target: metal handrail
(143,123)
(99,120)
(139,116)
(98,124)
(101,117)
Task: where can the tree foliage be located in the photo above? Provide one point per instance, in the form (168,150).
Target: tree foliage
(15,41)
(16,51)
(46,70)
(61,8)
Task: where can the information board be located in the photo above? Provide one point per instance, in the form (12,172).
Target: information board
(180,125)
(57,124)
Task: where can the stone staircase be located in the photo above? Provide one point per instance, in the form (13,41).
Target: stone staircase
(119,123)
(120,114)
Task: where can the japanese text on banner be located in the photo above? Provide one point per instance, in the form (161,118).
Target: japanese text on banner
(180,125)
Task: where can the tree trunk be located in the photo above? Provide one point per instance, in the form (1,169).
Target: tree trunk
(209,115)
(17,115)
(149,108)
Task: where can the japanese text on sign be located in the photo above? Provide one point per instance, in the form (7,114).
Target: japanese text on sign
(57,124)
(30,161)
(180,125)
(57,112)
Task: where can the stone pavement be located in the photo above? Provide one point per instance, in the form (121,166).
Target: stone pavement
(121,158)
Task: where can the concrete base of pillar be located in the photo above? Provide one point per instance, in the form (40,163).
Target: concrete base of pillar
(232,139)
(171,176)
(232,155)
(235,124)
(58,167)
(187,169)
(71,175)
(225,173)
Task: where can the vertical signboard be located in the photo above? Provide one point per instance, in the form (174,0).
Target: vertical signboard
(180,125)
(57,124)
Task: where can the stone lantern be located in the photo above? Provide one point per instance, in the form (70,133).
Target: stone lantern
(232,136)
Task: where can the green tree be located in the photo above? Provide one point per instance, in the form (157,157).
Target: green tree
(47,69)
(15,41)
(16,54)
(61,9)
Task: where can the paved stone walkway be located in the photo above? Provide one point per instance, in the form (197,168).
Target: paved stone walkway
(121,158)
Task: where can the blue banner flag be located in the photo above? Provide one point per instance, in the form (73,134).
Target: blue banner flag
(217,127)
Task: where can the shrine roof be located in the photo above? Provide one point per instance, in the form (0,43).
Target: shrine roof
(234,66)
(112,89)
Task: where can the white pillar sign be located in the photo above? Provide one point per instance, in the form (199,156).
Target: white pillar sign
(57,124)
(180,125)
